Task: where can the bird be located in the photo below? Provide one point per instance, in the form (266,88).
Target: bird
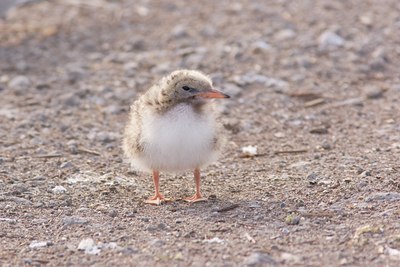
(173,127)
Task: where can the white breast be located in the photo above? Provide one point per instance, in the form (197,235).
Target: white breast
(180,139)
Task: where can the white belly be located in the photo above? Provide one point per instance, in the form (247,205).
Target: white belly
(177,140)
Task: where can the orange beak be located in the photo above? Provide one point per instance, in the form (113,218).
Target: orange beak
(212,94)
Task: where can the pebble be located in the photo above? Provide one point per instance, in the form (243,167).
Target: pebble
(365,174)
(71,220)
(142,11)
(39,244)
(372,92)
(326,146)
(156,243)
(66,165)
(260,47)
(209,31)
(73,146)
(325,182)
(75,75)
(129,251)
(19,83)
(103,137)
(137,43)
(254,205)
(59,189)
(249,151)
(70,100)
(377,65)
(111,245)
(393,253)
(383,196)
(252,78)
(22,66)
(19,200)
(113,110)
(313,178)
(18,189)
(291,258)
(179,31)
(160,226)
(8,220)
(113,213)
(284,35)
(300,165)
(292,219)
(214,240)
(259,259)
(329,39)
(179,256)
(88,246)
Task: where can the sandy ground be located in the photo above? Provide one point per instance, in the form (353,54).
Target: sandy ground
(315,88)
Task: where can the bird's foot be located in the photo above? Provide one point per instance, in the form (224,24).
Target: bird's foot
(195,198)
(156,200)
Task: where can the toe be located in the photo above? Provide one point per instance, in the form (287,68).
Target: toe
(195,198)
(153,201)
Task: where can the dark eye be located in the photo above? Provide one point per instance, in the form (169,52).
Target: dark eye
(186,88)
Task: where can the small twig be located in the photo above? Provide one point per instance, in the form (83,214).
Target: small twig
(223,230)
(318,214)
(252,156)
(5,143)
(307,96)
(348,102)
(291,151)
(228,208)
(314,102)
(56,155)
(85,150)
(251,240)
(319,131)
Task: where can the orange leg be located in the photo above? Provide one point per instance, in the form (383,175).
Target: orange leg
(158,198)
(197,196)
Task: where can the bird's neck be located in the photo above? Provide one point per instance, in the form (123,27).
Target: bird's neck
(196,107)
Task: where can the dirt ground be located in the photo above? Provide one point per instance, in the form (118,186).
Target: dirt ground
(315,87)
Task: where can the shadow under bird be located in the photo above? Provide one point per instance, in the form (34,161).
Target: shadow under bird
(172,127)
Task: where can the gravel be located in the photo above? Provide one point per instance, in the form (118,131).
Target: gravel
(314,86)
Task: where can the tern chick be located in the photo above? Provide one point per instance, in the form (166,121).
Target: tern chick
(172,127)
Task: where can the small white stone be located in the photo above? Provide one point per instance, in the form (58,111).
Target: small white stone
(249,151)
(88,246)
(59,189)
(285,34)
(393,253)
(142,11)
(330,39)
(214,240)
(38,244)
(19,83)
(260,47)
(86,243)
